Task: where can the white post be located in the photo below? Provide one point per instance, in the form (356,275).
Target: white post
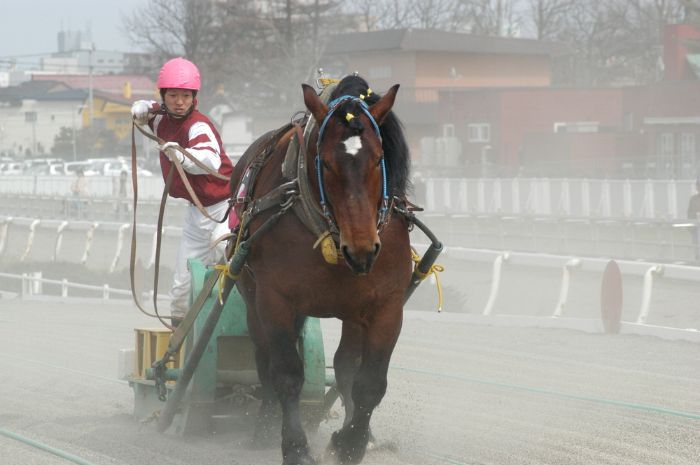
(564,206)
(120,243)
(36,283)
(88,242)
(154,248)
(3,233)
(30,239)
(446,197)
(585,198)
(672,199)
(515,196)
(59,239)
(627,198)
(24,288)
(463,196)
(480,197)
(495,281)
(648,203)
(497,203)
(105,292)
(656,270)
(564,289)
(64,287)
(430,194)
(604,207)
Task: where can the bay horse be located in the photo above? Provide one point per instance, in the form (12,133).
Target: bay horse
(357,164)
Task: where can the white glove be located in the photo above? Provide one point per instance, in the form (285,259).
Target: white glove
(140,109)
(171,149)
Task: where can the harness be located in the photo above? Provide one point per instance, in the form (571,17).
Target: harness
(332,107)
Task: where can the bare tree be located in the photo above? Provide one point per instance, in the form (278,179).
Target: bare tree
(250,52)
(547,17)
(492,17)
(173,27)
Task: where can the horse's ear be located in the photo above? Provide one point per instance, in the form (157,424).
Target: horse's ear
(317,108)
(382,106)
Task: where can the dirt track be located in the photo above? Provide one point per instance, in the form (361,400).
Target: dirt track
(458,394)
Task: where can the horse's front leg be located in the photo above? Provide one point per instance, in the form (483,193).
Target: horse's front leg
(346,361)
(369,385)
(286,373)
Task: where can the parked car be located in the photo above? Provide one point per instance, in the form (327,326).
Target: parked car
(72,166)
(11,168)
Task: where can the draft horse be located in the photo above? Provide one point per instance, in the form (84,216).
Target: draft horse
(357,164)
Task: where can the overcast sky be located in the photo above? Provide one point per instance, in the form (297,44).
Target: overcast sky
(31,26)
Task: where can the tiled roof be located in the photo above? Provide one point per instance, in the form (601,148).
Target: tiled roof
(41,90)
(111,83)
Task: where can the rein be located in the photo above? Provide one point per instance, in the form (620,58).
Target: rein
(161,211)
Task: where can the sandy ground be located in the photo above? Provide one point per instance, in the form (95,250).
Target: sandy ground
(458,394)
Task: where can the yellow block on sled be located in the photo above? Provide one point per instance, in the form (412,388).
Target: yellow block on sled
(151,345)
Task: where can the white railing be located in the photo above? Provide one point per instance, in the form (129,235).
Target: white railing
(150,188)
(32,285)
(599,198)
(558,318)
(618,198)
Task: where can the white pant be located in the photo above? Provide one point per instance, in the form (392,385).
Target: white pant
(198,235)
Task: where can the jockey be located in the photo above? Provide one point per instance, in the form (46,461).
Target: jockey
(180,124)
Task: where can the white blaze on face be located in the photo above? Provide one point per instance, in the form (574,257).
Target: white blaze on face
(352,145)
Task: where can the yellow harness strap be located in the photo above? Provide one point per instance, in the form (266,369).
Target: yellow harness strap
(434,270)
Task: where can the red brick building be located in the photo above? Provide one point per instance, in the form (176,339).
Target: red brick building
(636,131)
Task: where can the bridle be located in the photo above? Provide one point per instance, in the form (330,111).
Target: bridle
(383,212)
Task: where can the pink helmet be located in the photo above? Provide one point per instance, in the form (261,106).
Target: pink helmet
(179,73)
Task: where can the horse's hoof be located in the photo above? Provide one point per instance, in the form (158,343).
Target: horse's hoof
(348,446)
(299,457)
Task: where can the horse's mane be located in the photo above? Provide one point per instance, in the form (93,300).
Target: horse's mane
(394,142)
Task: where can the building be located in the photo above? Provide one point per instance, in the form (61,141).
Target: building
(633,131)
(428,62)
(112,94)
(33,113)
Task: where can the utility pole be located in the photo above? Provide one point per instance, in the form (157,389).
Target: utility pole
(90,102)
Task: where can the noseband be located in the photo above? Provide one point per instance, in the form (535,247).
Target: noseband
(382,217)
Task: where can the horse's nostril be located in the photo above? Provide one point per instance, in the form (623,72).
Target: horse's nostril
(377,247)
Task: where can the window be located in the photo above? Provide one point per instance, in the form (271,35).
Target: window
(687,144)
(480,132)
(448,130)
(664,143)
(576,126)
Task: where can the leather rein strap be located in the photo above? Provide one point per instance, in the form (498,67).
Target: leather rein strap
(161,212)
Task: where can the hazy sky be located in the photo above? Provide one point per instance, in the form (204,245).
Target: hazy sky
(31,26)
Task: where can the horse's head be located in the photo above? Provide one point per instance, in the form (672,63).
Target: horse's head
(351,171)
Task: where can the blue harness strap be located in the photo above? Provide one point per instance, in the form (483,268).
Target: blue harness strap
(333,105)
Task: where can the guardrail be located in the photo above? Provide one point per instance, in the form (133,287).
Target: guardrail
(57,229)
(583,198)
(32,285)
(558,319)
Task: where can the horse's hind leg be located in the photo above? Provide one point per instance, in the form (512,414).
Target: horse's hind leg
(369,385)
